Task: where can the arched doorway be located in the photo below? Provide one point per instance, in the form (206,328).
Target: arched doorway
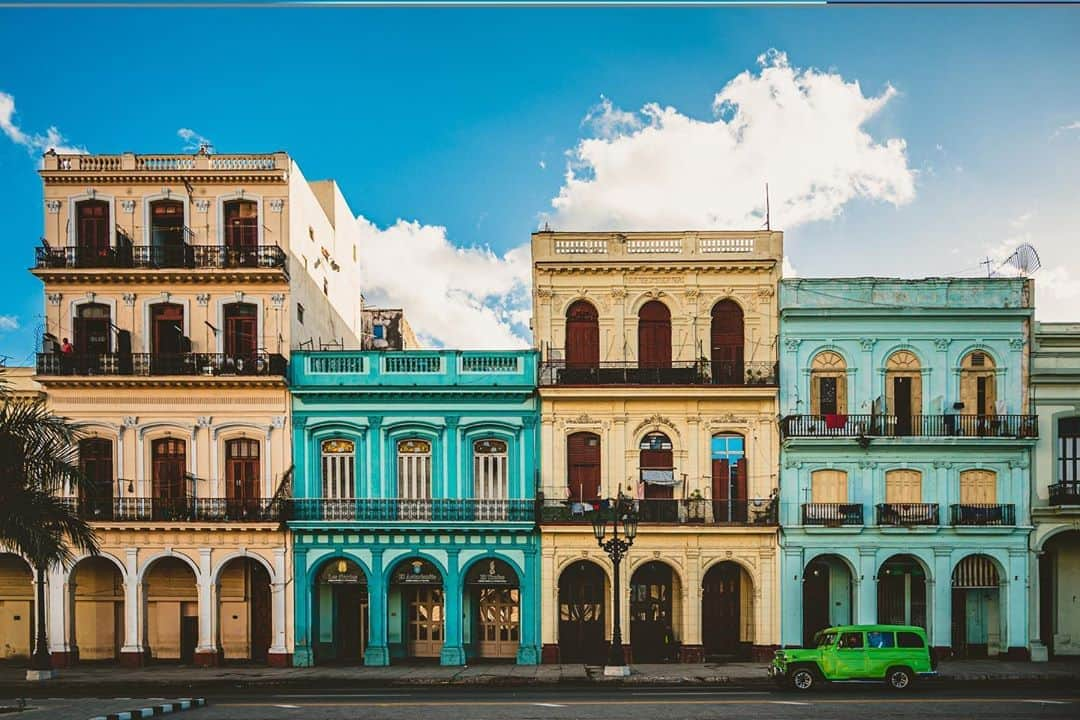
(1059,623)
(493,603)
(978,393)
(653,608)
(417,608)
(901,596)
(582,336)
(727,596)
(97,591)
(583,467)
(654,335)
(172,611)
(903,392)
(16,608)
(583,596)
(657,470)
(977,621)
(340,612)
(729,491)
(727,343)
(827,595)
(244,616)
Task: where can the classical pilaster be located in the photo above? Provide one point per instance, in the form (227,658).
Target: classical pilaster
(207,651)
(133,653)
(278,655)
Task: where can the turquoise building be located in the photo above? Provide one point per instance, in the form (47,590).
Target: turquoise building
(905,458)
(413,512)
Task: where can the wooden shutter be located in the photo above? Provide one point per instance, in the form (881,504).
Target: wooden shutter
(828,486)
(903,487)
(583,466)
(654,335)
(582,335)
(721,479)
(978,487)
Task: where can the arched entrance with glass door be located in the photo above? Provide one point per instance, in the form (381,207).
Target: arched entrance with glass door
(977,622)
(493,606)
(727,596)
(653,611)
(340,613)
(827,595)
(97,594)
(901,592)
(416,606)
(583,593)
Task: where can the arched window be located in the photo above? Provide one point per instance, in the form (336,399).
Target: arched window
(903,487)
(828,486)
(338,469)
(654,335)
(978,389)
(490,476)
(828,384)
(656,463)
(582,336)
(414,469)
(92,236)
(583,466)
(727,343)
(903,390)
(729,491)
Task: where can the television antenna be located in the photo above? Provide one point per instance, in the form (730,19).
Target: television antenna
(1025,259)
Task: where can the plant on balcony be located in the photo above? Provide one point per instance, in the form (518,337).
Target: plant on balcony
(695,507)
(37,462)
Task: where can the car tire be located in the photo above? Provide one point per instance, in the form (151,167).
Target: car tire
(803,678)
(899,678)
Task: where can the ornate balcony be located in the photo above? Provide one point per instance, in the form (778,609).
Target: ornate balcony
(983,515)
(907,514)
(689,372)
(1066,492)
(400,510)
(966,426)
(157,257)
(692,511)
(160,364)
(132,509)
(832,514)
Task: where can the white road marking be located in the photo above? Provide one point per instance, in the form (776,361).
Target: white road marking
(786,702)
(288,707)
(701,692)
(345,695)
(1046,702)
(547,705)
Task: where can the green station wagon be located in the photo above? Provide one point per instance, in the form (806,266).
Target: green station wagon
(897,654)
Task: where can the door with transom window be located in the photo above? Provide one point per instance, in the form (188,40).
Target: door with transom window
(419,584)
(92,240)
(168,478)
(242,475)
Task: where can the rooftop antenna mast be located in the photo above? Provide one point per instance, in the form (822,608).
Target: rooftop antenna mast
(989,266)
(768,224)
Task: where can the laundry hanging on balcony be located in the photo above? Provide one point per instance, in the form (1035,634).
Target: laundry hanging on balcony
(660,476)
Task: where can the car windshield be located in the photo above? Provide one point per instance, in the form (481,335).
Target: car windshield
(824,639)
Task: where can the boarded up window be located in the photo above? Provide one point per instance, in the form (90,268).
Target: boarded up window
(583,466)
(828,486)
(903,487)
(978,487)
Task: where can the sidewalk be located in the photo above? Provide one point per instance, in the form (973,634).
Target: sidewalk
(173,679)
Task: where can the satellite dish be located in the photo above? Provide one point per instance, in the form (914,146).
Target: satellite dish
(1025,259)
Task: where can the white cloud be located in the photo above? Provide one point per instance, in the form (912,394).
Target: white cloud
(543,165)
(787,269)
(8,322)
(34,142)
(452,296)
(193,140)
(1056,287)
(799,130)
(1075,125)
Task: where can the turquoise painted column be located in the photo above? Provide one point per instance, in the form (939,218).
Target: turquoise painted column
(1016,603)
(374,473)
(528,437)
(941,623)
(529,600)
(302,655)
(453,652)
(791,596)
(451,476)
(866,612)
(377,652)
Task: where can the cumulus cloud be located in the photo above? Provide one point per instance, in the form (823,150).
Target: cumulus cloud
(453,296)
(193,140)
(1070,127)
(800,130)
(33,142)
(8,322)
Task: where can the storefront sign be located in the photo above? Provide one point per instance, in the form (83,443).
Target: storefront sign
(418,572)
(493,572)
(344,579)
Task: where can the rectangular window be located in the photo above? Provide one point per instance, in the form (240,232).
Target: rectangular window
(881,640)
(379,331)
(300,313)
(1069,449)
(851,641)
(828,395)
(338,469)
(908,640)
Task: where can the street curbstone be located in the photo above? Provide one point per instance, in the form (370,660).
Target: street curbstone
(152,710)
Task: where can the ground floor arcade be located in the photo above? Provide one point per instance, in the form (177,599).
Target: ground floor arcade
(377,598)
(968,591)
(686,595)
(1055,589)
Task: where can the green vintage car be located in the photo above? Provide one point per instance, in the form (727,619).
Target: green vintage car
(897,654)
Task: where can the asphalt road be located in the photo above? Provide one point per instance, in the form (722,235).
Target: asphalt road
(861,702)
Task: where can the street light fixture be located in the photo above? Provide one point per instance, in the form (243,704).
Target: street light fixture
(616,547)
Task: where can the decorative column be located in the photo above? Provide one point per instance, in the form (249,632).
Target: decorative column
(529,606)
(60,610)
(940,592)
(791,596)
(303,635)
(866,584)
(627,569)
(1015,608)
(549,590)
(452,475)
(207,652)
(278,655)
(375,472)
(453,652)
(377,652)
(133,653)
(691,649)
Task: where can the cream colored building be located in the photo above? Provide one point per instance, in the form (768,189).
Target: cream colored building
(658,381)
(174,287)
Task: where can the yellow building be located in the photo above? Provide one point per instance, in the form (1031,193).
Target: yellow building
(175,286)
(658,381)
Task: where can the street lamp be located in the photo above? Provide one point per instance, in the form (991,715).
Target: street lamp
(616,548)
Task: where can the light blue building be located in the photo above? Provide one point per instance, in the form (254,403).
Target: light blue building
(413,517)
(905,469)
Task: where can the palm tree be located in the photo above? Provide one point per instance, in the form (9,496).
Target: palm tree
(38,461)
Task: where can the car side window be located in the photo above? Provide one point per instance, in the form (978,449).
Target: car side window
(909,640)
(880,640)
(851,641)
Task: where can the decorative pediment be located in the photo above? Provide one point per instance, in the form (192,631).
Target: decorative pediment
(655,422)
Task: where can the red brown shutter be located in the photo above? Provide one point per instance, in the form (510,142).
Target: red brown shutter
(583,466)
(654,335)
(582,335)
(727,343)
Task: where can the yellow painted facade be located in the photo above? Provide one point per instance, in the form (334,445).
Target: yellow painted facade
(628,400)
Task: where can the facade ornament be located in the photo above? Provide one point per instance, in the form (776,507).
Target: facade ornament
(129,299)
(941,344)
(693,293)
(54,298)
(90,295)
(728,418)
(583,419)
(165,295)
(1016,343)
(52,206)
(867,344)
(202,205)
(277,299)
(618,293)
(868,464)
(544,293)
(277,205)
(942,464)
(792,344)
(277,422)
(130,421)
(204,421)
(765,292)
(127,206)
(655,421)
(203,299)
(792,464)
(239,295)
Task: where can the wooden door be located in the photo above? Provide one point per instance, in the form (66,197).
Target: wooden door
(721,490)
(241,331)
(720,609)
(167,329)
(350,621)
(654,335)
(168,478)
(582,600)
(189,638)
(727,343)
(93,238)
(583,466)
(96,464)
(241,225)
(500,622)
(902,405)
(815,601)
(242,470)
(582,336)
(167,233)
(261,617)
(651,613)
(903,487)
(424,631)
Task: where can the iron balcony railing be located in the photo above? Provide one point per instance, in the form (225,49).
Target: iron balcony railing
(671,512)
(406,510)
(988,426)
(185,509)
(1066,492)
(163,257)
(150,364)
(904,514)
(688,372)
(983,515)
(832,514)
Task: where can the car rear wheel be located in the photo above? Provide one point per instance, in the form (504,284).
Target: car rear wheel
(900,678)
(803,679)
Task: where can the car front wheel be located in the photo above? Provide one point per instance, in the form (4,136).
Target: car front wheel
(899,678)
(803,679)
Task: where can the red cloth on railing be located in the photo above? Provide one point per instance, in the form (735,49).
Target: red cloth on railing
(835,422)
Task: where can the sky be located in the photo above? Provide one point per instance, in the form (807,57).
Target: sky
(901,141)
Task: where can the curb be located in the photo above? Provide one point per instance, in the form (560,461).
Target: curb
(151,711)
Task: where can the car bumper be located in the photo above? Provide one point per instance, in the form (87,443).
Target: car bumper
(775,672)
(930,674)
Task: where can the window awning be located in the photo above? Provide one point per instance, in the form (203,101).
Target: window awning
(659,476)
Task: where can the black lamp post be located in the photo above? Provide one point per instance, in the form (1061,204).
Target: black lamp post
(616,548)
(41,660)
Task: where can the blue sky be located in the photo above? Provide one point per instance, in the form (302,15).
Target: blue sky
(462,120)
